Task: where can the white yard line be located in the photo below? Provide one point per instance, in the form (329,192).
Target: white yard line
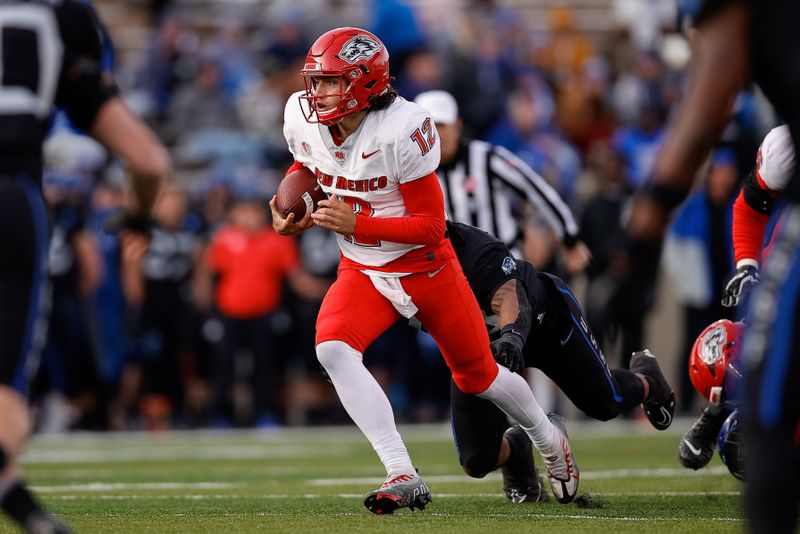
(121,454)
(327,482)
(359,496)
(282,496)
(663,472)
(143,486)
(329,435)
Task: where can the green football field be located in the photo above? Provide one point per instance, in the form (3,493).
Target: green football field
(312,480)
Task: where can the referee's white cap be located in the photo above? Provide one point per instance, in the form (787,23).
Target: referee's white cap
(440,104)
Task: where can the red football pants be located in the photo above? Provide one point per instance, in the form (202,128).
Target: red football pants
(355,312)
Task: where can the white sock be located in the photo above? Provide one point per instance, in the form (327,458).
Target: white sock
(510,392)
(366,403)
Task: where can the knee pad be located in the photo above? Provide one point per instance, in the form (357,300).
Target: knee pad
(479,465)
(604,411)
(329,353)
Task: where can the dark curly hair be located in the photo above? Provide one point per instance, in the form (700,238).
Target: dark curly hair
(382,101)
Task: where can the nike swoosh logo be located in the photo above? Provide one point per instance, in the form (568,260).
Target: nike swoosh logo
(567,338)
(434,273)
(666,418)
(365,156)
(692,448)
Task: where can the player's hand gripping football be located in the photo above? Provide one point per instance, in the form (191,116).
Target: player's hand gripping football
(335,214)
(745,279)
(507,351)
(287,226)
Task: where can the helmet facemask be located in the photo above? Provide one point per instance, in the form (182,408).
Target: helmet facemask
(347,103)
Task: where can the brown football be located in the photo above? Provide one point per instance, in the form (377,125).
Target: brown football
(298,192)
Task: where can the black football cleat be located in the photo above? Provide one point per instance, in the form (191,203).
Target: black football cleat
(697,446)
(521,483)
(659,407)
(404,491)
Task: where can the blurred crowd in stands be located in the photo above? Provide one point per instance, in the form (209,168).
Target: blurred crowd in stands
(182,335)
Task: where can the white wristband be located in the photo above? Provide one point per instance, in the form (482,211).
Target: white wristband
(747,261)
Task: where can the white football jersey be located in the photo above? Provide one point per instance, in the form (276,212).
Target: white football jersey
(392,146)
(775,160)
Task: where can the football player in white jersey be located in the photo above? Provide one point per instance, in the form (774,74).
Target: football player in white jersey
(375,155)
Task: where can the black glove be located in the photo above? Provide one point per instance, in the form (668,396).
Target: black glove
(507,350)
(743,281)
(124,220)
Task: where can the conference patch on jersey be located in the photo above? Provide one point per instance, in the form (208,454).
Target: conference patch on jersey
(713,343)
(359,47)
(508,265)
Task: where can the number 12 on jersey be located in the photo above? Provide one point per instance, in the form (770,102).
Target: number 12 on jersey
(360,207)
(424,137)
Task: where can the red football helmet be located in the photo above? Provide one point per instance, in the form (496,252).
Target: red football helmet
(361,62)
(715,354)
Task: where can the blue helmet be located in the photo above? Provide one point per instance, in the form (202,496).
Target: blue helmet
(729,445)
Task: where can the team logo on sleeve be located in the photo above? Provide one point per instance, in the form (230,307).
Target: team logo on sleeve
(508,265)
(306,148)
(359,47)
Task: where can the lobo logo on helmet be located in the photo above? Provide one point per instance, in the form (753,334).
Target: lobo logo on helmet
(713,344)
(359,47)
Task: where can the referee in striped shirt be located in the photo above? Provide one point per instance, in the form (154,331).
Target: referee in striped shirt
(479,179)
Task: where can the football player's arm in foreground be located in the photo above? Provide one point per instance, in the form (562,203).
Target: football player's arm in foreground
(511,305)
(144,156)
(91,100)
(425,224)
(719,69)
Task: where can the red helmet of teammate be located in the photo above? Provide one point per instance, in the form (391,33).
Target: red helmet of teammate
(714,361)
(360,61)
